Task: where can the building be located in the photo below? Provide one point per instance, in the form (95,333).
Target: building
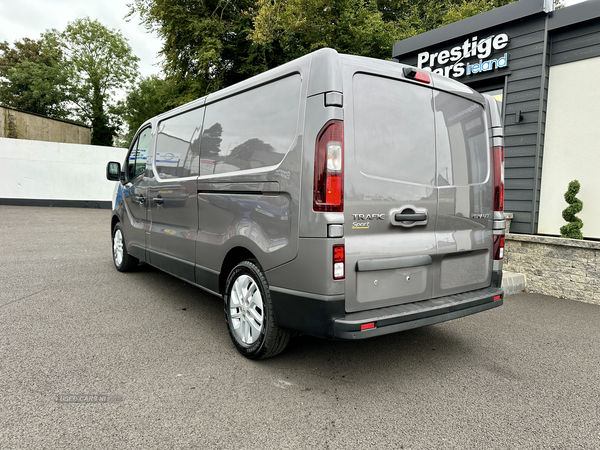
(544,67)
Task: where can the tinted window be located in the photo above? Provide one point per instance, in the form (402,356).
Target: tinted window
(136,162)
(394,129)
(178,145)
(253,129)
(461,141)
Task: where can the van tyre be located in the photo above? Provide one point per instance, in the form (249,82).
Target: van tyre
(249,313)
(124,262)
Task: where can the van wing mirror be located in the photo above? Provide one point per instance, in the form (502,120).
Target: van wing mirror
(113,171)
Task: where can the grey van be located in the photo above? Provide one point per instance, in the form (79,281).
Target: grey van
(338,196)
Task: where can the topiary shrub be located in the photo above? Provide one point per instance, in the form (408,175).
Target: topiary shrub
(572,229)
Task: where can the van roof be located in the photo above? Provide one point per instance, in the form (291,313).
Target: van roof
(325,66)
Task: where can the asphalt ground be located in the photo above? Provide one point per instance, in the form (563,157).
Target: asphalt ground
(153,359)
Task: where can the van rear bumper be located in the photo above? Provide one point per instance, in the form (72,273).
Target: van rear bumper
(324,316)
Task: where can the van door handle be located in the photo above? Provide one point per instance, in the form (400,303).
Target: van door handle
(140,198)
(413,217)
(159,200)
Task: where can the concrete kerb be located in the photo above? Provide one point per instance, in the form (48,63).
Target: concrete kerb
(513,283)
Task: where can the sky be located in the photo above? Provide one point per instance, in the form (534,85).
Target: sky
(30,18)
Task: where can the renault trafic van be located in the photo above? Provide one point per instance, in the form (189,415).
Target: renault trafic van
(338,196)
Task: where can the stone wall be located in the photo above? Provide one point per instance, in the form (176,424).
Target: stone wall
(568,268)
(23,125)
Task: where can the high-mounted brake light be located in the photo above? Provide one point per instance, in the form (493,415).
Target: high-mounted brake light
(339,260)
(413,74)
(498,178)
(329,168)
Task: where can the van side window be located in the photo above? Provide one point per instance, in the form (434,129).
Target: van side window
(178,145)
(394,129)
(461,141)
(138,156)
(251,130)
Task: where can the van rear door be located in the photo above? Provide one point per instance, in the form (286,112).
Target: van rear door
(390,198)
(417,198)
(464,227)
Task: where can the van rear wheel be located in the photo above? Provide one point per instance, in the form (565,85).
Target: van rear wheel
(124,262)
(249,313)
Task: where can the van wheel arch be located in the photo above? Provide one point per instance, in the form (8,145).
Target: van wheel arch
(235,256)
(113,222)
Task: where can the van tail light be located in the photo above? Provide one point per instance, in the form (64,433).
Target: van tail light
(498,178)
(339,261)
(329,168)
(498,247)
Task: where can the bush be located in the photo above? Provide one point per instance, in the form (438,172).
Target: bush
(572,230)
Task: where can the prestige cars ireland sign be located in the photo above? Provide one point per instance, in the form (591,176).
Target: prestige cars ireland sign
(450,62)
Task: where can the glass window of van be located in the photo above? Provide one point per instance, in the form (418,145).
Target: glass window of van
(138,156)
(461,141)
(394,131)
(252,129)
(178,145)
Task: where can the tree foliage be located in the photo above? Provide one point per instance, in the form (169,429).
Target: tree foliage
(98,62)
(349,26)
(205,42)
(32,77)
(147,98)
(420,16)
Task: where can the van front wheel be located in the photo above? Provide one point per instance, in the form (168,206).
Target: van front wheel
(249,313)
(124,262)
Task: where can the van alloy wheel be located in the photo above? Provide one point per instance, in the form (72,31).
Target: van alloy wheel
(124,262)
(118,248)
(249,313)
(246,309)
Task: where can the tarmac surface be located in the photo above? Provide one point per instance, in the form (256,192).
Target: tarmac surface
(96,359)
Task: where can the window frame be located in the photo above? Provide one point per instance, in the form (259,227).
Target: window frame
(134,146)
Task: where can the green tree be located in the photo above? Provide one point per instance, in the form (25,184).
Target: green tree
(361,27)
(425,15)
(147,98)
(349,26)
(33,77)
(99,61)
(205,42)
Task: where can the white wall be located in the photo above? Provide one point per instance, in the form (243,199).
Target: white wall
(56,171)
(572,146)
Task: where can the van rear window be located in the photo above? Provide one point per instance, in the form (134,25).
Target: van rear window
(400,127)
(394,129)
(461,141)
